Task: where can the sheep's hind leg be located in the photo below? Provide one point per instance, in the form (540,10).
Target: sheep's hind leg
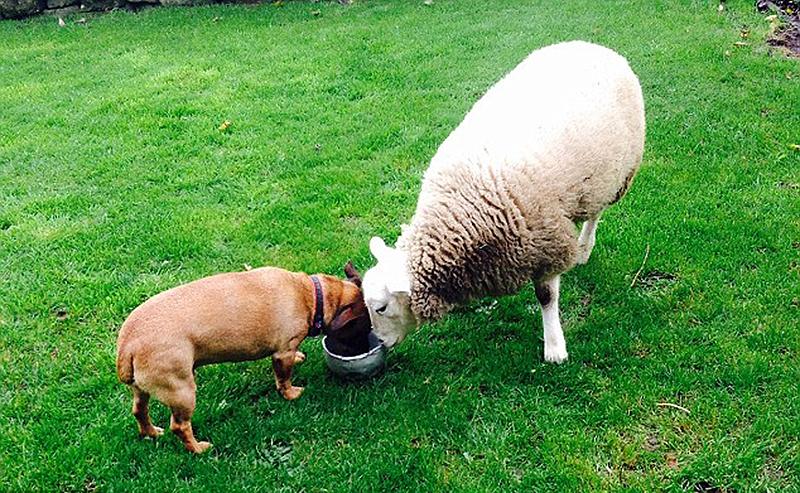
(586,239)
(555,347)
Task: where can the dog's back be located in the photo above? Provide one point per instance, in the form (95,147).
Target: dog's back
(226,317)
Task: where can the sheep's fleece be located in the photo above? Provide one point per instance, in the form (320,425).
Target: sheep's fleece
(553,143)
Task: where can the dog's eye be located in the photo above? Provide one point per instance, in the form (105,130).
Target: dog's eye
(381,309)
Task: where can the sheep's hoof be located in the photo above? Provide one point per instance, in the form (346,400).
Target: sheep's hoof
(556,354)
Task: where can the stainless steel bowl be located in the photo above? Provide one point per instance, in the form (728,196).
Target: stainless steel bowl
(361,366)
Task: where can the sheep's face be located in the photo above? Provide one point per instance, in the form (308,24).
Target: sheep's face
(387,289)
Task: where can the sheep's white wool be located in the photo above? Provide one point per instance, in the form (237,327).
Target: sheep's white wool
(555,142)
(567,112)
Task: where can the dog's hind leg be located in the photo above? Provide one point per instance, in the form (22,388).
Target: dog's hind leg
(180,398)
(142,415)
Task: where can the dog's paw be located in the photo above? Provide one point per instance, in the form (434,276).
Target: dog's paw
(555,354)
(291,393)
(199,447)
(152,432)
(299,357)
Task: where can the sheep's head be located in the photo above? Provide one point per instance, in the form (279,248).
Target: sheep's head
(387,291)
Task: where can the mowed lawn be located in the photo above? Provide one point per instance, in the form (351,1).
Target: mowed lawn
(116,183)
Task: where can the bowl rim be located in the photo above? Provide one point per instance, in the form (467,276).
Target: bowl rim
(357,357)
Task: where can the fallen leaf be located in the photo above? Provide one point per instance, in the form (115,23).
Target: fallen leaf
(672,461)
(774,24)
(796,147)
(727,53)
(247,267)
(61,22)
(216,19)
(82,20)
(225,126)
(428,2)
(316,12)
(741,43)
(721,7)
(651,443)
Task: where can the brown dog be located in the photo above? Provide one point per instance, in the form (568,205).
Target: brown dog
(230,317)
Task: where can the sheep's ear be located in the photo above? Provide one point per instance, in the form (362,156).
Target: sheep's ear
(378,248)
(394,262)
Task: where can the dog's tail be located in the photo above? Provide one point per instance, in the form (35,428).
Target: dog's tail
(125,367)
(124,360)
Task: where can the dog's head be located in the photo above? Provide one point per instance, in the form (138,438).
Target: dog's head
(351,321)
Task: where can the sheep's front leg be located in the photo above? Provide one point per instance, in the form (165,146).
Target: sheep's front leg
(555,347)
(586,239)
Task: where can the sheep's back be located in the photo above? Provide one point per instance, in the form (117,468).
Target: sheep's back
(569,119)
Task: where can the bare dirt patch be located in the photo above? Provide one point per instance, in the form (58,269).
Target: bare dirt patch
(786,33)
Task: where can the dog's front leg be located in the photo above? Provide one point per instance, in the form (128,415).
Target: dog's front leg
(283,363)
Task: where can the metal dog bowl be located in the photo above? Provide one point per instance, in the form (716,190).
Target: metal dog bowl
(361,366)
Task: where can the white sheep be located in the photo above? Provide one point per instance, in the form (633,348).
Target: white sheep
(554,143)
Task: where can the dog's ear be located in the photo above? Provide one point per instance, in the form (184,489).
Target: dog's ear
(352,274)
(351,322)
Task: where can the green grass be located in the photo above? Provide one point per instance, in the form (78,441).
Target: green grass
(115,184)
